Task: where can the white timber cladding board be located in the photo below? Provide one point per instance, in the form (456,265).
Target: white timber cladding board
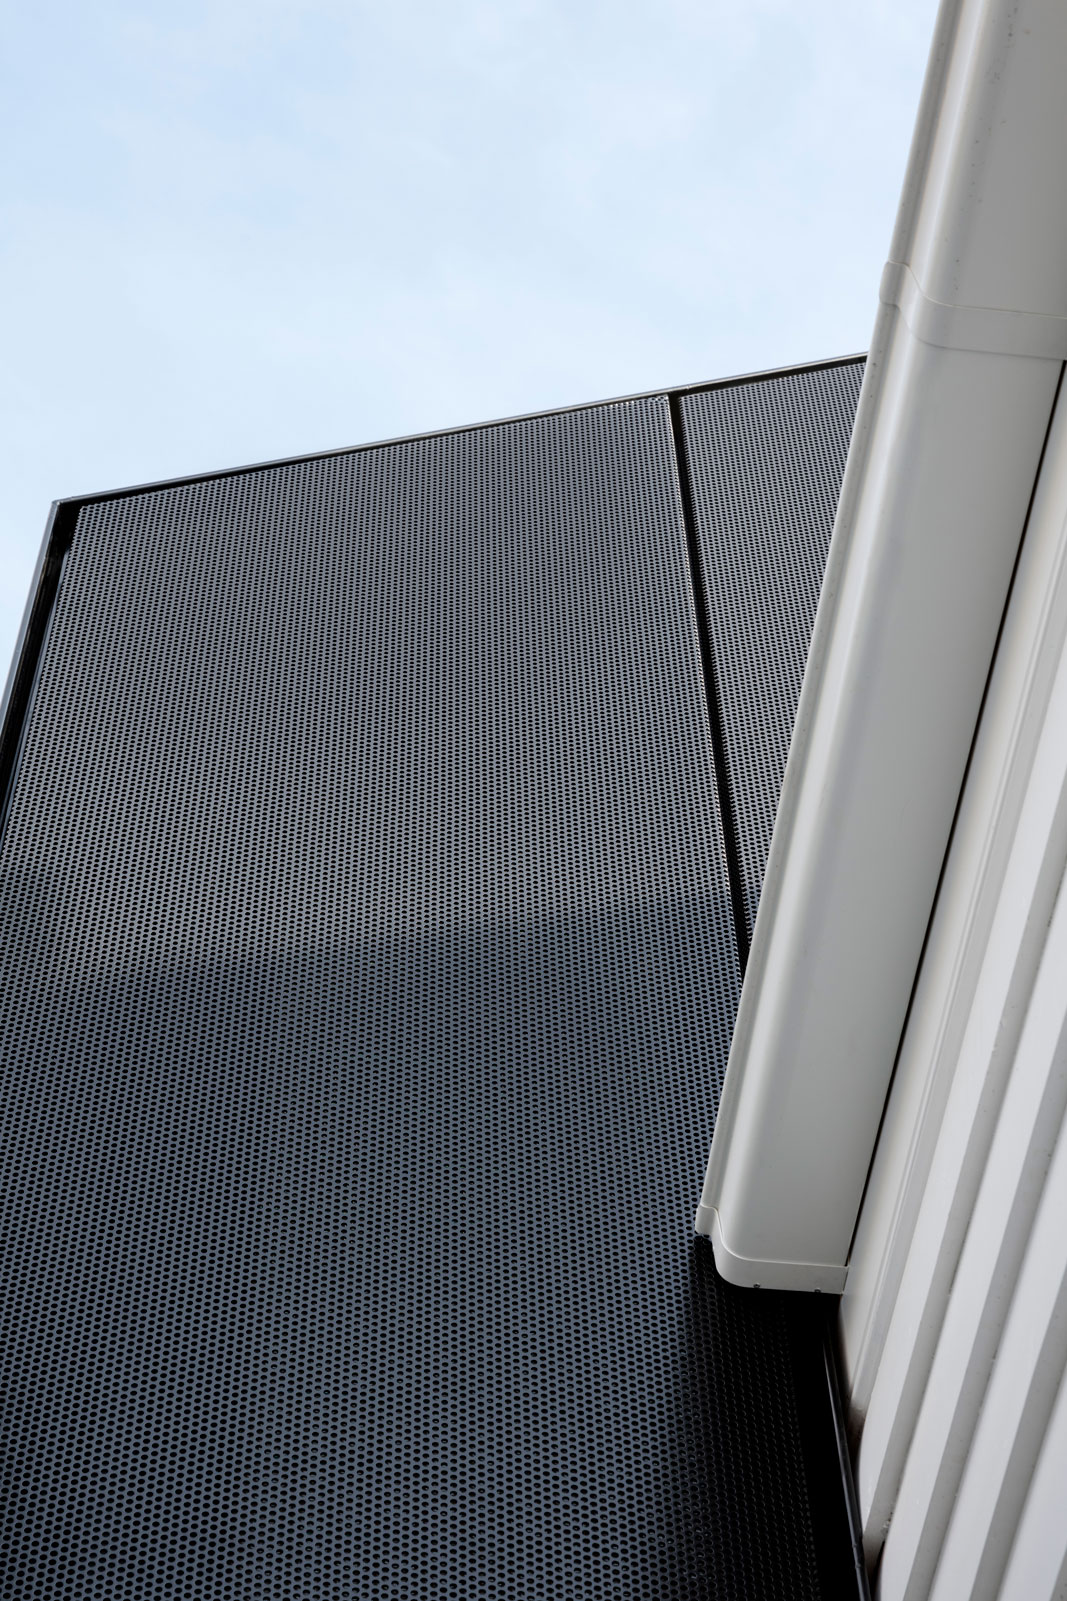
(955,406)
(1014,714)
(983,1406)
(1037,1563)
(1031,1350)
(945,1158)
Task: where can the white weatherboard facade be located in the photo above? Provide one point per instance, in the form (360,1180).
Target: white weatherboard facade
(954,1317)
(894,1120)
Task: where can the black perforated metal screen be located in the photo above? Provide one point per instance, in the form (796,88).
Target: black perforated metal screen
(367,983)
(766,460)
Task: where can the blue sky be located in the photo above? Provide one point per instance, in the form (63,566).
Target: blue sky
(235,231)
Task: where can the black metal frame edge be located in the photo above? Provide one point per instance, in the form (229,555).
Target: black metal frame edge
(664,392)
(29,646)
(711,686)
(844,1456)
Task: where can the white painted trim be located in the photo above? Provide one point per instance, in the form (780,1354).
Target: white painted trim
(936,491)
(751,1274)
(1028,657)
(982,328)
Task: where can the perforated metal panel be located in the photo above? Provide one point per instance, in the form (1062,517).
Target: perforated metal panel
(766,460)
(367,981)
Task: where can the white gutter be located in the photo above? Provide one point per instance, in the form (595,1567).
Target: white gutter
(965,360)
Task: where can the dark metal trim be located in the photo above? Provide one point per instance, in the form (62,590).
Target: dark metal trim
(29,647)
(848,1482)
(711,689)
(461,428)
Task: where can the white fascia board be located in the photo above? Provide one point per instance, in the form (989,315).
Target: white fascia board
(963,370)
(980,954)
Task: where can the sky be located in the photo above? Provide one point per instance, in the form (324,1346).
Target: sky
(234,231)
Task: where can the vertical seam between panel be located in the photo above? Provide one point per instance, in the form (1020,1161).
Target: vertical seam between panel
(711,689)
